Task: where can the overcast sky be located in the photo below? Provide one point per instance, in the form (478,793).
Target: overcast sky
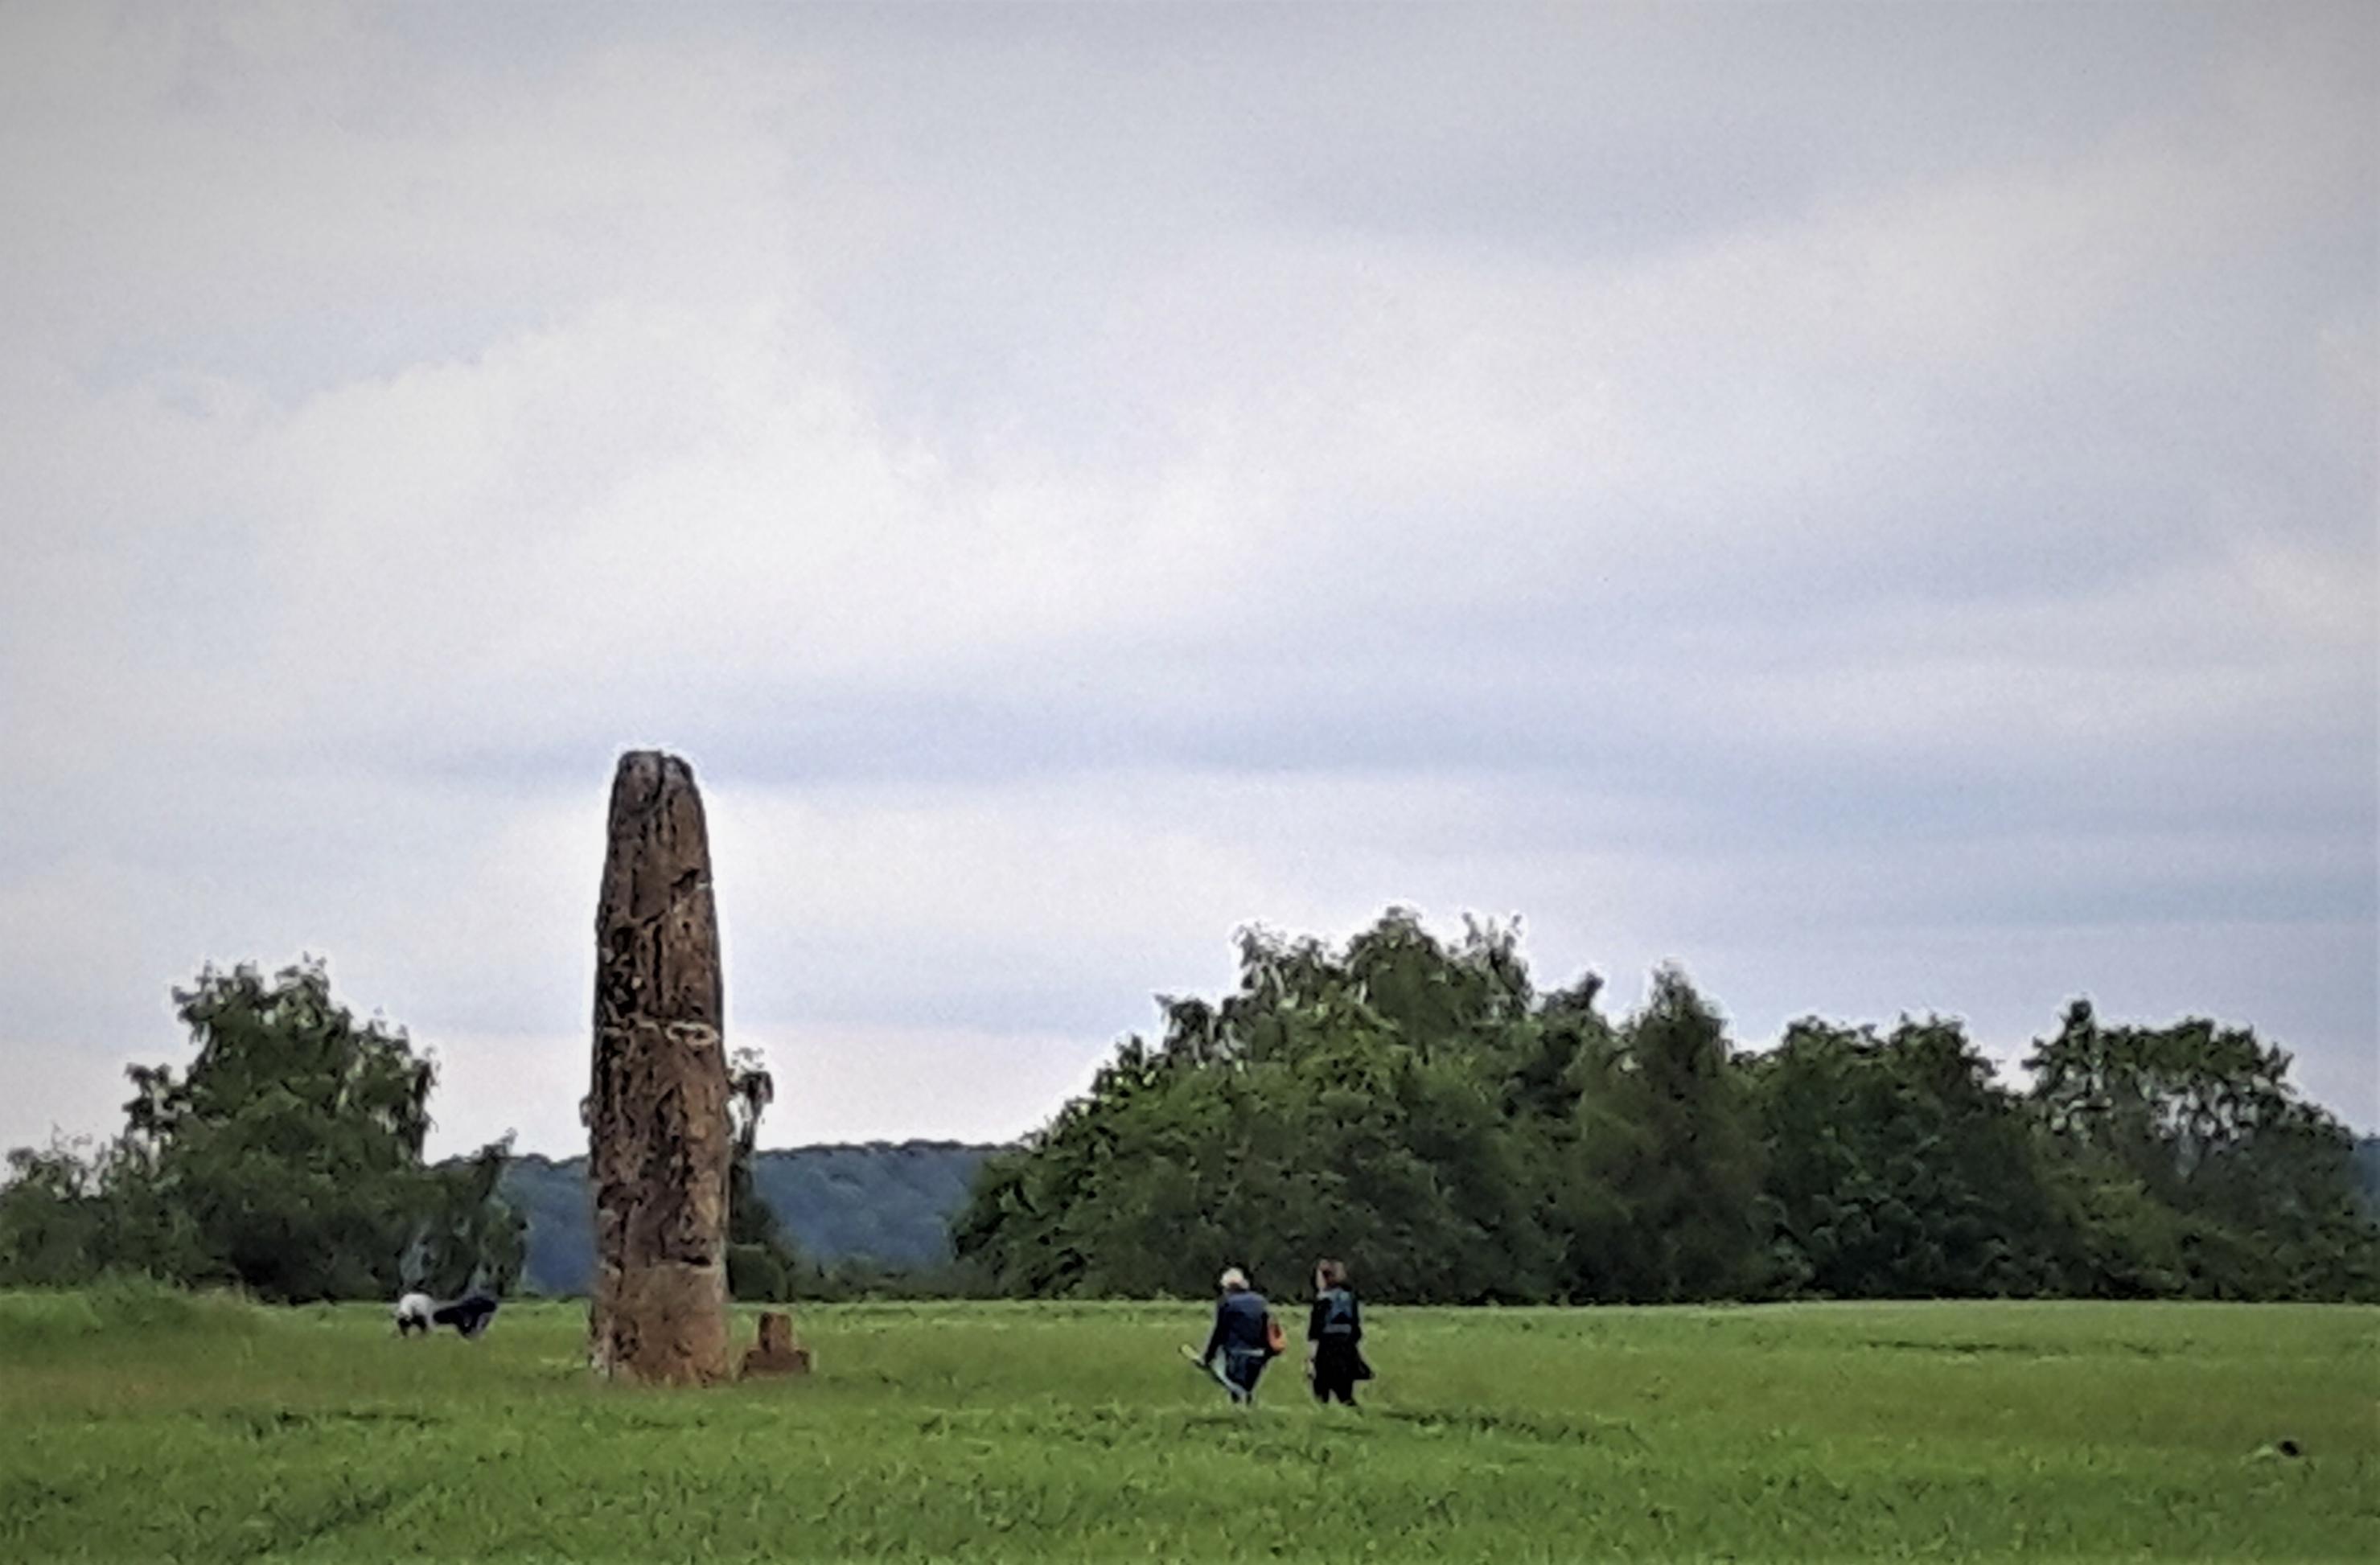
(1875,505)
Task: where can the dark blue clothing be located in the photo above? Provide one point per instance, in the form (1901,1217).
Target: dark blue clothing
(1335,1314)
(1239,1324)
(1241,1338)
(468,1316)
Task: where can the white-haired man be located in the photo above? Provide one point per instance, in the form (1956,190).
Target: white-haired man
(1243,1339)
(413,1314)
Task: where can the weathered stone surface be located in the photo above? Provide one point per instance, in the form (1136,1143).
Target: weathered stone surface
(657,1115)
(777,1353)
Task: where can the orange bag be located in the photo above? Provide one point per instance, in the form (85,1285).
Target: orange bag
(1276,1339)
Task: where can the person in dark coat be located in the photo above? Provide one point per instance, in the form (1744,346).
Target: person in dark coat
(1241,1344)
(469,1314)
(1335,1336)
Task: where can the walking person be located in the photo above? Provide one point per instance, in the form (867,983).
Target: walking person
(1244,1337)
(1335,1336)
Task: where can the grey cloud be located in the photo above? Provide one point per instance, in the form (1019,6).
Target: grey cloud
(1874,503)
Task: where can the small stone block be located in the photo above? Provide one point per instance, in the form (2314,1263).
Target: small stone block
(777,1352)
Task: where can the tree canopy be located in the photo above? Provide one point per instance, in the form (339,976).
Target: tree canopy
(1418,1107)
(286,1157)
(1413,1105)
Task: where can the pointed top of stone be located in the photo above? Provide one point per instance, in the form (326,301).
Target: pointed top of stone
(654,919)
(645,775)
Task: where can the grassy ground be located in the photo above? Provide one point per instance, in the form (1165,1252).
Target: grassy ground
(145,1425)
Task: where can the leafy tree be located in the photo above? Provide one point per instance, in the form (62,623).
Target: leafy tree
(285,1158)
(468,1235)
(55,1226)
(1678,1154)
(1419,1107)
(1900,1170)
(1571,1120)
(2232,1181)
(760,1259)
(1361,1104)
(70,1213)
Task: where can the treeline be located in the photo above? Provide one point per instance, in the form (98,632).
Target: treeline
(1421,1109)
(1415,1107)
(286,1159)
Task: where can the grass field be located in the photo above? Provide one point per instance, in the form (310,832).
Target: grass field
(137,1425)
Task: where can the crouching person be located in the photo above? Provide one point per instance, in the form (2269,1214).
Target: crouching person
(413,1314)
(1244,1337)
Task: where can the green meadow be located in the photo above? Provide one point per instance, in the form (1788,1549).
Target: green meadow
(145,1424)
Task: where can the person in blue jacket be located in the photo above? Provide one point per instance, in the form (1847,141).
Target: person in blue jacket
(1241,1343)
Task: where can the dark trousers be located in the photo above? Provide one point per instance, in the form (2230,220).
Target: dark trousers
(1337,1367)
(1241,1369)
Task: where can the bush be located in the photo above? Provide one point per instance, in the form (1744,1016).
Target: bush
(756,1274)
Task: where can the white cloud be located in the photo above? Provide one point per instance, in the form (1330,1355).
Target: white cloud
(1072,497)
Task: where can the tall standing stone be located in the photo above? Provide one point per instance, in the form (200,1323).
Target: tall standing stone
(657,1112)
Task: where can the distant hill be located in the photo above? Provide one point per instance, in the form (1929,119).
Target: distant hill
(887,1203)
